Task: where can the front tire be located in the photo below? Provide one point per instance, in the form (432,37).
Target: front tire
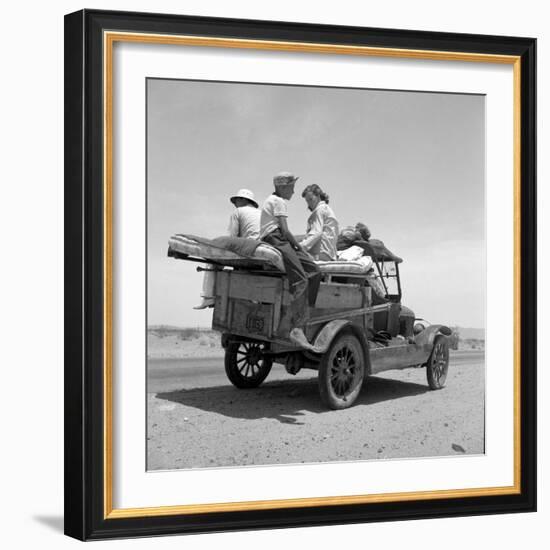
(341,371)
(437,366)
(246,364)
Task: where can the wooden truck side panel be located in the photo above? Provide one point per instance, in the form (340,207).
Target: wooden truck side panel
(249,305)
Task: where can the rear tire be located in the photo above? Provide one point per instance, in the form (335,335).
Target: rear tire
(246,365)
(342,371)
(437,366)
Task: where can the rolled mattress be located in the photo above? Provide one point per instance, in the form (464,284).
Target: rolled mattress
(264,255)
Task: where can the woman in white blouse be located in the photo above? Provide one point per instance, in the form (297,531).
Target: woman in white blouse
(322,225)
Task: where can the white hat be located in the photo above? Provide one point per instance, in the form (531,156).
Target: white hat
(244,194)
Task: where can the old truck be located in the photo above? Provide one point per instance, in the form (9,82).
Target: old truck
(358,326)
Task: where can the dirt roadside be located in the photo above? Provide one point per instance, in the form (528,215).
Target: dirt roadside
(284,422)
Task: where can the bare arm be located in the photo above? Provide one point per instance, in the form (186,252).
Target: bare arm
(286,232)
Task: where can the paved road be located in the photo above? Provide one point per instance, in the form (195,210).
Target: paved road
(197,419)
(172,374)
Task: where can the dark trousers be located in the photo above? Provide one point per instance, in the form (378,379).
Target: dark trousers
(302,272)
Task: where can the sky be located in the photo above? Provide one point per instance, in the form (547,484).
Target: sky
(411,165)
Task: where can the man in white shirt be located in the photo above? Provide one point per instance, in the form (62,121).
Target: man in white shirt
(303,275)
(243,222)
(245,219)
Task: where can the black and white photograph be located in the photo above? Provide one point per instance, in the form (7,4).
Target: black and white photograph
(316,274)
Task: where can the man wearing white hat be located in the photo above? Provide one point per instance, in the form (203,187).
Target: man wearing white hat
(244,222)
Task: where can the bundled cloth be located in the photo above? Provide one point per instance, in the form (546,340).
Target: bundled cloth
(349,234)
(351,237)
(351,254)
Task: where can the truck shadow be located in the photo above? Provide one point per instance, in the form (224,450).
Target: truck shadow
(285,400)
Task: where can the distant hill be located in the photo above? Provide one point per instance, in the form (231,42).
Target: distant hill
(470,333)
(171,329)
(165,341)
(466,333)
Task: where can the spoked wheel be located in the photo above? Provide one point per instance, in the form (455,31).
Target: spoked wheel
(342,371)
(438,363)
(246,365)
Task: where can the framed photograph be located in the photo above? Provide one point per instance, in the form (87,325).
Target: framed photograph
(300,274)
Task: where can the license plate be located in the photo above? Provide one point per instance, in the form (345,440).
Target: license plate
(255,323)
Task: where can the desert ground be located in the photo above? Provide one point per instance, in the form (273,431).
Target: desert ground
(197,419)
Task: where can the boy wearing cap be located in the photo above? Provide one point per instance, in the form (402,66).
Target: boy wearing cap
(243,222)
(303,274)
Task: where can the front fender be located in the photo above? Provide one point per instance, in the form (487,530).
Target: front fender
(427,336)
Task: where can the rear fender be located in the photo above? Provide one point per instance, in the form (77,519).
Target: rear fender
(225,340)
(326,335)
(426,338)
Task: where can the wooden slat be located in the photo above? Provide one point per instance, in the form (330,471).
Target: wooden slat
(277,311)
(254,287)
(222,297)
(339,296)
